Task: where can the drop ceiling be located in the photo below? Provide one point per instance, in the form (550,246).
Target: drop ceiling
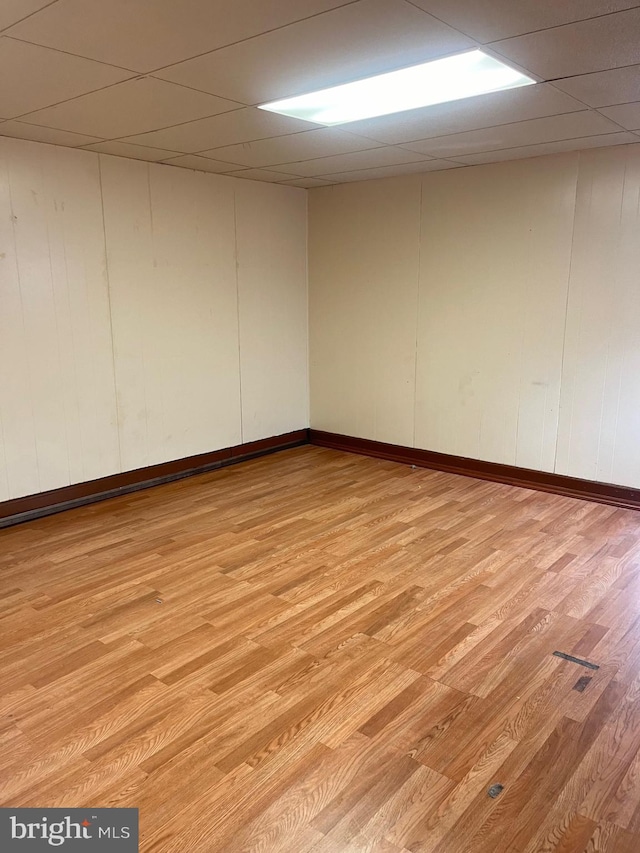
(179,81)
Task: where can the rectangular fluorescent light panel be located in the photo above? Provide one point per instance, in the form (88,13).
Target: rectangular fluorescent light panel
(448,79)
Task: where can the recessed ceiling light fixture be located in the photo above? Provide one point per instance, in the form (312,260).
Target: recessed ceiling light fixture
(448,79)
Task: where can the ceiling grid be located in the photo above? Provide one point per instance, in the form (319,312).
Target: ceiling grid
(179,81)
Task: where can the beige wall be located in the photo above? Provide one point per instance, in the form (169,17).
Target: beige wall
(146,314)
(149,313)
(364,246)
(490,312)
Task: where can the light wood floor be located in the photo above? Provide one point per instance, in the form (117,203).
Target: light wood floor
(321,652)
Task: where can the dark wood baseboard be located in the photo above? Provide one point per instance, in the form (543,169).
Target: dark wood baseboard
(68,497)
(527,478)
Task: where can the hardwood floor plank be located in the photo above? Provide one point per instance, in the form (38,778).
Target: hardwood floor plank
(316,652)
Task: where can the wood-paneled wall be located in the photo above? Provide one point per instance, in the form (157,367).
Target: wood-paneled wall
(364,248)
(599,430)
(138,305)
(490,312)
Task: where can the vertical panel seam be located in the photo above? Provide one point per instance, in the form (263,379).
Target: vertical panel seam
(417,324)
(308,306)
(61,360)
(24,331)
(113,352)
(566,312)
(523,331)
(61,403)
(149,450)
(623,353)
(237,260)
(3,443)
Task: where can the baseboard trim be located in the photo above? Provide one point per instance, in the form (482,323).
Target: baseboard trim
(68,497)
(559,484)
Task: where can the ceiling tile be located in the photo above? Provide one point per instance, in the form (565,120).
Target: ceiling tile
(203,164)
(126,149)
(603,88)
(489,20)
(570,126)
(260,175)
(144,35)
(387,156)
(392,171)
(355,41)
(12,11)
(132,107)
(468,114)
(40,77)
(594,45)
(210,57)
(20,130)
(626,115)
(288,149)
(244,125)
(306,183)
(548,148)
